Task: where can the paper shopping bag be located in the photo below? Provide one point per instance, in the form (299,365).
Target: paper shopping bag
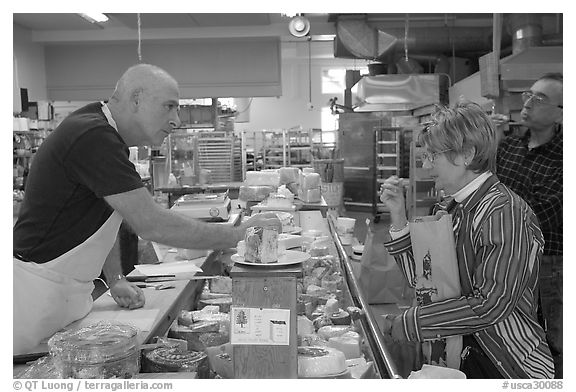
(437,278)
(381,280)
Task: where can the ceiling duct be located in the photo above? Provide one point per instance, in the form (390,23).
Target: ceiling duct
(526,31)
(355,38)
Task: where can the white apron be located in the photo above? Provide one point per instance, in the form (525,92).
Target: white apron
(49,296)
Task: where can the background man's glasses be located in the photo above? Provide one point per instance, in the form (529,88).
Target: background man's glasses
(537,99)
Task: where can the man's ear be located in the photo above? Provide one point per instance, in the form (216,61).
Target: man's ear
(559,117)
(135,99)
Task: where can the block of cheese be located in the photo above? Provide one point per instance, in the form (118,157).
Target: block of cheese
(332,306)
(320,362)
(310,195)
(221,284)
(255,192)
(289,175)
(223,304)
(287,220)
(261,245)
(263,177)
(198,340)
(348,345)
(304,325)
(310,181)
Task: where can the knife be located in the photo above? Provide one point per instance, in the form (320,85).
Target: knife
(150,279)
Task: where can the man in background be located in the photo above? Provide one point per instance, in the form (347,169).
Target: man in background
(531,165)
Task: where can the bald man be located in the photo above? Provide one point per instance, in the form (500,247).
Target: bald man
(80,187)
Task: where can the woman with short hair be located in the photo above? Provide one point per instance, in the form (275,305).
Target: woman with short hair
(498,247)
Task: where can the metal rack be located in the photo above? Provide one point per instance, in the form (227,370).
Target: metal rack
(421,194)
(387,141)
(218,152)
(221,154)
(287,147)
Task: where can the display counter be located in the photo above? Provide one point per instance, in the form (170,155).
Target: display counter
(163,307)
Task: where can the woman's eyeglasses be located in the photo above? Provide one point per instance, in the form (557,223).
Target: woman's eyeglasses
(537,99)
(431,156)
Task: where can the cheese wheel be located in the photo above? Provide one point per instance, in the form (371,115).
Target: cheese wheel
(171,359)
(317,361)
(340,318)
(348,345)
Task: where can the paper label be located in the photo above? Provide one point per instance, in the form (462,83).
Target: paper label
(260,326)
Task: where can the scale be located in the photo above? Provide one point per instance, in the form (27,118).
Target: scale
(214,207)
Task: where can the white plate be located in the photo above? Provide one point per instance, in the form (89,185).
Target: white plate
(288,258)
(328,375)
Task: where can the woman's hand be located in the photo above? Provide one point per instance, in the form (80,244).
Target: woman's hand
(394,328)
(127,294)
(392,195)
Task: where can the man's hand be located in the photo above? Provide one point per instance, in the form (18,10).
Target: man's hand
(127,294)
(266,219)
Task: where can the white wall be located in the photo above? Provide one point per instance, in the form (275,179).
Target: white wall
(29,66)
(292,108)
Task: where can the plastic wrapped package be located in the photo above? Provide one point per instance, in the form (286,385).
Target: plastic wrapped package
(101,350)
(43,367)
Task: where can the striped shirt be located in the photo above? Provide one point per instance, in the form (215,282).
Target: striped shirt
(536,176)
(498,247)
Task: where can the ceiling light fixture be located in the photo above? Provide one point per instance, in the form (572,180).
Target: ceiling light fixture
(299,26)
(94,17)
